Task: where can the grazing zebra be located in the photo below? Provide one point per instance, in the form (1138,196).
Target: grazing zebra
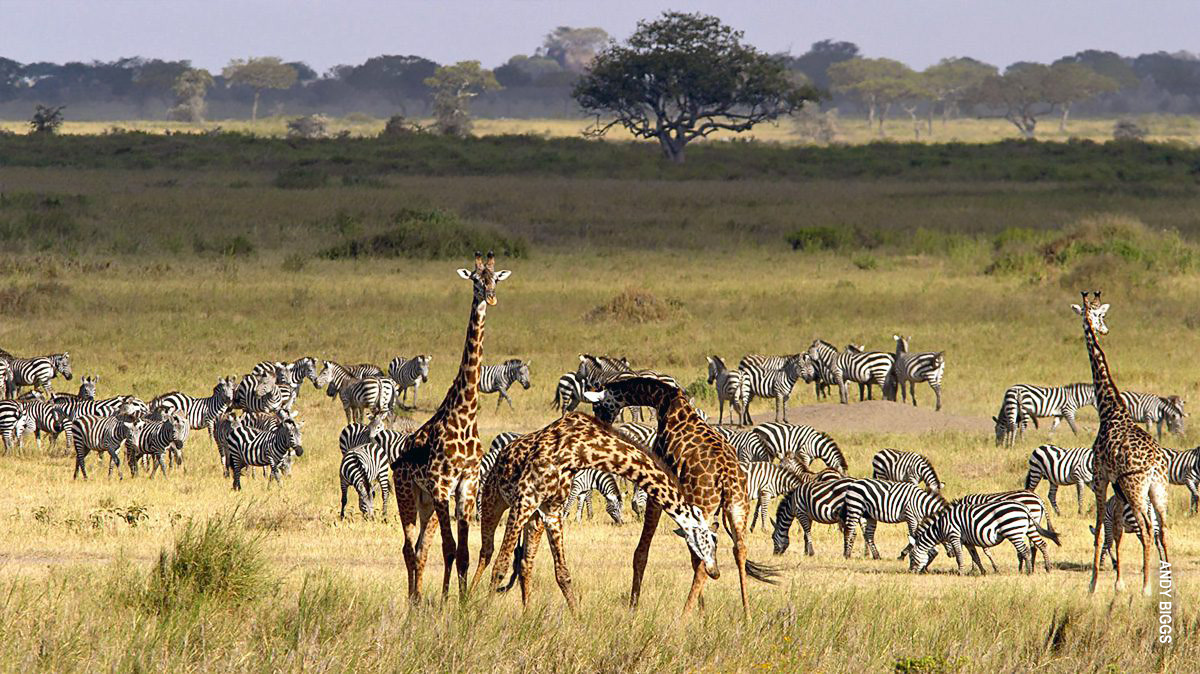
(1184,468)
(817,501)
(982,525)
(249,447)
(87,389)
(582,485)
(771,383)
(152,438)
(1037,512)
(15,422)
(1060,466)
(866,368)
(643,436)
(103,435)
(749,445)
(374,394)
(355,434)
(199,412)
(1010,421)
(764,482)
(361,467)
(409,373)
(47,418)
(497,379)
(872,501)
(1145,408)
(37,372)
(911,367)
(257,393)
(1128,525)
(732,386)
(1060,402)
(568,393)
(898,466)
(805,442)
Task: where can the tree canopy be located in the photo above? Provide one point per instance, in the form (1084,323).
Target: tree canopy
(267,72)
(453,87)
(574,48)
(686,76)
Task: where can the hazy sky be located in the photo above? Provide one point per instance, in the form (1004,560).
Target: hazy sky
(328,32)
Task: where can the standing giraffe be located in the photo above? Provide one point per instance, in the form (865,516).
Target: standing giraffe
(533,475)
(1125,454)
(707,467)
(444,453)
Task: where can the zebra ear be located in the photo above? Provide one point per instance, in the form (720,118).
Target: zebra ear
(464,273)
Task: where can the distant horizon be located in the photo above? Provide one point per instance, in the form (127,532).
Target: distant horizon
(324,34)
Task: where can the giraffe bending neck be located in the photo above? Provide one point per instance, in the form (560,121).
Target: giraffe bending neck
(1108,399)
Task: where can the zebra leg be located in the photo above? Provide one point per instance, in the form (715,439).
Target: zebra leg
(342,514)
(1078,497)
(785,402)
(913,392)
(586,502)
(937,390)
(1191,486)
(1052,496)
(975,561)
(79,464)
(806,525)
(849,525)
(869,537)
(236,467)
(721,410)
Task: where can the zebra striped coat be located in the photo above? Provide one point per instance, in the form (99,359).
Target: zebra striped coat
(818,501)
(868,502)
(409,373)
(37,372)
(820,358)
(199,412)
(1037,514)
(1184,468)
(911,367)
(48,418)
(974,525)
(1146,408)
(87,389)
(568,393)
(865,368)
(805,442)
(1129,525)
(749,445)
(361,467)
(258,393)
(376,395)
(15,422)
(764,482)
(583,484)
(898,466)
(489,457)
(497,379)
(733,387)
(249,447)
(1060,402)
(102,435)
(770,383)
(153,438)
(1060,466)
(1010,421)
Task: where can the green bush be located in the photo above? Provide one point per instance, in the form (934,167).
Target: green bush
(818,238)
(230,246)
(430,235)
(216,561)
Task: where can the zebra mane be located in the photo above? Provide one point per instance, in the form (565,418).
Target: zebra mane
(821,342)
(513,361)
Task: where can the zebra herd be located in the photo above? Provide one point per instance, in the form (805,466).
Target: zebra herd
(1023,404)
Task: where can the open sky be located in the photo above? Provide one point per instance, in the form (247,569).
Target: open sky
(324,33)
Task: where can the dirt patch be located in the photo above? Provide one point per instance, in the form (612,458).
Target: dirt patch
(879,416)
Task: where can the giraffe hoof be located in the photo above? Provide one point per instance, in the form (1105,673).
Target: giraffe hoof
(1119,586)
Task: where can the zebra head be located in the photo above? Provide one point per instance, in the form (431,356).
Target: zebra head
(283,374)
(901,342)
(701,539)
(325,376)
(1173,413)
(62,364)
(484,278)
(25,424)
(223,390)
(179,424)
(715,367)
(289,429)
(424,361)
(305,368)
(523,374)
(1001,430)
(87,387)
(1093,312)
(377,425)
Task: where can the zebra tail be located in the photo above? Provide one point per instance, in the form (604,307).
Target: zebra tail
(764,573)
(1049,531)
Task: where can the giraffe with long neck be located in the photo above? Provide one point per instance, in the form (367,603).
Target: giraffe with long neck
(443,454)
(1125,454)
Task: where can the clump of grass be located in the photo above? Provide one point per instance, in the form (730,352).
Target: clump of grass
(429,234)
(294,262)
(230,246)
(634,305)
(300,178)
(27,299)
(929,664)
(215,561)
(818,238)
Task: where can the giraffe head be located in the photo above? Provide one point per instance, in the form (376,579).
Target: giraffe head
(701,539)
(1093,312)
(485,277)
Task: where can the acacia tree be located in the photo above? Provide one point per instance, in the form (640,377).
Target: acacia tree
(951,82)
(267,72)
(683,77)
(1069,83)
(190,88)
(879,83)
(453,88)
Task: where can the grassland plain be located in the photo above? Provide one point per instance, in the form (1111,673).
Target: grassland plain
(141,276)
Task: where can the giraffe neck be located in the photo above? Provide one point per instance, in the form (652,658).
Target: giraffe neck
(1108,400)
(462,398)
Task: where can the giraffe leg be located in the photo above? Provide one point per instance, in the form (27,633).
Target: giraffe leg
(735,523)
(406,510)
(449,548)
(428,520)
(699,577)
(1158,501)
(1100,488)
(642,553)
(532,541)
(554,535)
(489,518)
(518,516)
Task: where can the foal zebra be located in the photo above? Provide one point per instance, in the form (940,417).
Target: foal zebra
(765,382)
(15,422)
(497,379)
(866,368)
(912,367)
(199,412)
(1060,466)
(898,466)
(732,386)
(568,393)
(361,467)
(582,485)
(974,525)
(1037,512)
(250,447)
(37,372)
(1184,468)
(818,501)
(1145,408)
(48,418)
(874,501)
(805,442)
(409,373)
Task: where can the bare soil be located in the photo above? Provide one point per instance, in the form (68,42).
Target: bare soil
(878,416)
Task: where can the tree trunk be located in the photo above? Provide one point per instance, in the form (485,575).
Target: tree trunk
(929,122)
(1062,122)
(870,114)
(912,112)
(672,147)
(882,116)
(254,110)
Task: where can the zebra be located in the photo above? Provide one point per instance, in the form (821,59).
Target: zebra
(769,383)
(805,442)
(582,485)
(748,444)
(1060,466)
(596,371)
(911,367)
(817,501)
(48,418)
(732,386)
(103,435)
(643,436)
(764,482)
(819,360)
(898,466)
(568,393)
(1128,525)
(872,501)
(15,422)
(248,447)
(409,373)
(1010,421)
(37,372)
(1060,402)
(257,393)
(6,390)
(1145,408)
(376,394)
(199,412)
(1037,512)
(82,407)
(152,438)
(361,466)
(355,434)
(497,379)
(1184,468)
(87,390)
(866,368)
(977,525)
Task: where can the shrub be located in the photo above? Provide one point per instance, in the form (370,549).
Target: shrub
(1127,129)
(300,178)
(294,262)
(211,562)
(231,246)
(634,305)
(399,127)
(818,238)
(430,235)
(24,299)
(47,119)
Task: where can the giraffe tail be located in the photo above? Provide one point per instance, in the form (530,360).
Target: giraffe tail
(763,573)
(518,566)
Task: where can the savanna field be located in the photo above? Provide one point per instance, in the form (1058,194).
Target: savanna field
(158,268)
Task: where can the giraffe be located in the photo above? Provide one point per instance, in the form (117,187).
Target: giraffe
(444,453)
(707,467)
(533,475)
(1125,454)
